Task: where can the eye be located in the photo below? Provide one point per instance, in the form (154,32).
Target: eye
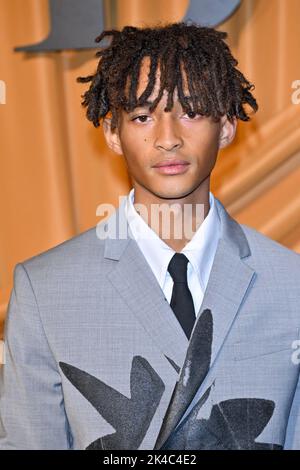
(192,114)
(141,118)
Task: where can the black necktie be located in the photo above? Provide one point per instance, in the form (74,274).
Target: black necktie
(182,301)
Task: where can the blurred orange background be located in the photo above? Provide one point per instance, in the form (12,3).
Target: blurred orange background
(55,168)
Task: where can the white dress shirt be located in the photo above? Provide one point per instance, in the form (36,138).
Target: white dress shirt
(200,250)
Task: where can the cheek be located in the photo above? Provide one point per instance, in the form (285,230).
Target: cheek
(205,149)
(133,158)
(136,150)
(209,138)
(134,141)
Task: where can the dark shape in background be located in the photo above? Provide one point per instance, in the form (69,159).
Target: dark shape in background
(74,24)
(211,12)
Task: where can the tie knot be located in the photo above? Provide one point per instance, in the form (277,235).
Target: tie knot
(178,267)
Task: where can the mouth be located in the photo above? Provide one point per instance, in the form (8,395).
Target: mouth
(172,167)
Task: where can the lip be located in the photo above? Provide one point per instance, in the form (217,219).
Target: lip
(170,163)
(172,167)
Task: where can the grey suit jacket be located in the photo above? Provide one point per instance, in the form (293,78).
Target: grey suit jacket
(96,359)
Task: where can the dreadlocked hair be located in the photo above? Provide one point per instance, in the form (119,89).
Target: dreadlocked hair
(216,87)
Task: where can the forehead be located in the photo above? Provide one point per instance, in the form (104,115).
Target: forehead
(143,79)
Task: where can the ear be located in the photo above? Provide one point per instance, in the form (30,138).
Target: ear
(227,132)
(112,137)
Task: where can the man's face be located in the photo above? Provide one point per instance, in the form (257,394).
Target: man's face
(185,144)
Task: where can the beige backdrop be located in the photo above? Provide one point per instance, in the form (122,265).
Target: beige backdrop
(55,168)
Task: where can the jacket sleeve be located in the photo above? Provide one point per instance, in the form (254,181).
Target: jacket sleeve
(292,440)
(32,414)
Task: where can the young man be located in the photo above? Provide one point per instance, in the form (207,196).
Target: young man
(153,340)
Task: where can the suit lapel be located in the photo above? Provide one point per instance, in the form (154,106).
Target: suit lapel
(230,279)
(135,282)
(192,374)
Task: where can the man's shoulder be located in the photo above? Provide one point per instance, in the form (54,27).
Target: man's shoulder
(75,251)
(270,251)
(262,249)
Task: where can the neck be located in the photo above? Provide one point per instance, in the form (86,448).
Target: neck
(174,220)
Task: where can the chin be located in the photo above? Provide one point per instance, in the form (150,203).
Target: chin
(172,193)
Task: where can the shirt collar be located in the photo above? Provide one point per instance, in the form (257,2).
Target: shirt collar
(200,250)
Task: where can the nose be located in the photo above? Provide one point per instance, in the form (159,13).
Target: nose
(167,136)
